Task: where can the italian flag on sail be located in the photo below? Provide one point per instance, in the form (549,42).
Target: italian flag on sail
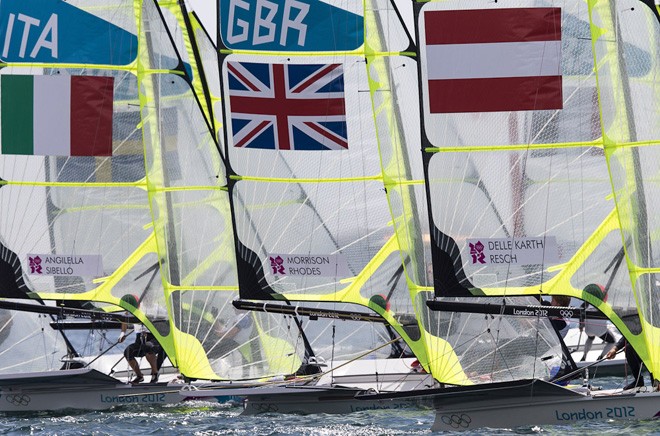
(56,115)
(486,60)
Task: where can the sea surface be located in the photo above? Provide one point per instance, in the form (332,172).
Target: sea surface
(201,418)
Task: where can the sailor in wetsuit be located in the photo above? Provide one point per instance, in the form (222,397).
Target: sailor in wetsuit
(145,345)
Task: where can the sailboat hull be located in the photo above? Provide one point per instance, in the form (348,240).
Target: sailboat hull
(538,403)
(333,400)
(78,389)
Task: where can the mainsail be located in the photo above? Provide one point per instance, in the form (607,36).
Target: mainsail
(308,191)
(327,187)
(533,164)
(114,177)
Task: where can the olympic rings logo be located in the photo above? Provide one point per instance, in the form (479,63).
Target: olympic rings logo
(18,399)
(457,421)
(566,313)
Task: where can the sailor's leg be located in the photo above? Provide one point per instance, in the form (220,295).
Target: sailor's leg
(152,359)
(130,352)
(635,364)
(587,347)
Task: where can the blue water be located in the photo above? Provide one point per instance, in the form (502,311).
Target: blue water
(200,418)
(204,419)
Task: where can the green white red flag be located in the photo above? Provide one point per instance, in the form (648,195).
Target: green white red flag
(56,115)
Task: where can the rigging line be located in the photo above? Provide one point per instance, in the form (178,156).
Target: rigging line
(358,357)
(16,344)
(51,217)
(498,351)
(537,334)
(312,377)
(309,351)
(394,280)
(332,354)
(43,340)
(500,319)
(195,44)
(155,268)
(575,372)
(108,349)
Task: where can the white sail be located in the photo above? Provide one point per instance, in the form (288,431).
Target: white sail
(521,184)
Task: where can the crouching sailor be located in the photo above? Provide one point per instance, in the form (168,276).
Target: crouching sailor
(145,345)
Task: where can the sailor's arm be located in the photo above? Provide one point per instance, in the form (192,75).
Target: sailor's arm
(618,346)
(122,335)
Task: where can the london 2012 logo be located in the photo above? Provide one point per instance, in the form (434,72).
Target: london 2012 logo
(35,265)
(276,263)
(477,252)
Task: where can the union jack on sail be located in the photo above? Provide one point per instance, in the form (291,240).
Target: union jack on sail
(287,107)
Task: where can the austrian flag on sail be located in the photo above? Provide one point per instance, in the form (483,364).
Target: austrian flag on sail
(287,107)
(490,60)
(56,115)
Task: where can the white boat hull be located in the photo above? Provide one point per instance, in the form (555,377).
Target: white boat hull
(80,389)
(305,400)
(333,400)
(334,392)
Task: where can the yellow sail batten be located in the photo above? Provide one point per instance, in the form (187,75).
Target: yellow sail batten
(324,180)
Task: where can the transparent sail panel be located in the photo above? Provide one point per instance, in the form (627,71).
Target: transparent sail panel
(628,78)
(343,220)
(312,217)
(493,196)
(519,185)
(29,344)
(189,206)
(136,204)
(490,348)
(236,344)
(527,178)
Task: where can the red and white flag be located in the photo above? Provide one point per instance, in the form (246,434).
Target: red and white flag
(488,60)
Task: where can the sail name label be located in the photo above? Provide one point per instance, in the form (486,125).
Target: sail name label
(54,31)
(513,251)
(21,25)
(65,265)
(290,25)
(300,265)
(265,28)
